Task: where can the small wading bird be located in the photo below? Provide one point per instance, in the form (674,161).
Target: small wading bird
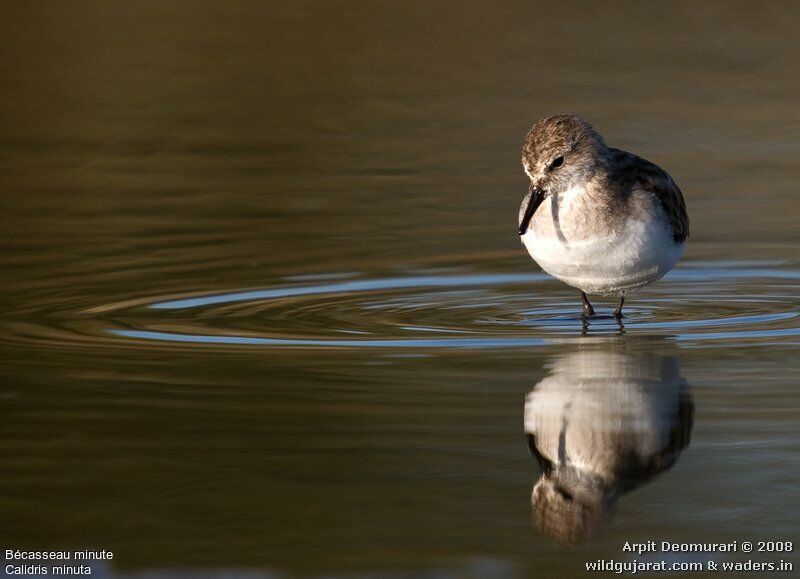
(599,219)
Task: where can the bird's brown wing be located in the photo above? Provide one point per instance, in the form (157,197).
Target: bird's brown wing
(633,170)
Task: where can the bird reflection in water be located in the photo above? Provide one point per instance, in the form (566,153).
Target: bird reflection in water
(607,419)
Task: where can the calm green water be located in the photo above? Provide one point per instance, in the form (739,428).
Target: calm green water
(265,311)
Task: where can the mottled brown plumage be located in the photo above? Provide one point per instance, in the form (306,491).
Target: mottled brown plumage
(628,170)
(616,170)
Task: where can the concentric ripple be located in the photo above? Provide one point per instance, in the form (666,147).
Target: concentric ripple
(486,310)
(704,303)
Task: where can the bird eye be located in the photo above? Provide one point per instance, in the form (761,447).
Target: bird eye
(566,494)
(557,162)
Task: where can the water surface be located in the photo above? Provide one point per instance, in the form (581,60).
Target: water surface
(265,310)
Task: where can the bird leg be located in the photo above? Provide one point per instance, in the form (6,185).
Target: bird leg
(588,310)
(618,311)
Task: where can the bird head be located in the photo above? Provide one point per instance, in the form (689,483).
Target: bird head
(559,153)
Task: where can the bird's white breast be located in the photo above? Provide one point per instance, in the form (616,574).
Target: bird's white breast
(571,245)
(599,410)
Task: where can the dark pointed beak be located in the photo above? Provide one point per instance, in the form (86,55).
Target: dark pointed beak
(537,196)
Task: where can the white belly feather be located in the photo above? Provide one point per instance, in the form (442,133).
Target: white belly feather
(610,263)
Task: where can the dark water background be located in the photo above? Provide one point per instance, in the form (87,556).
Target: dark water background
(353,168)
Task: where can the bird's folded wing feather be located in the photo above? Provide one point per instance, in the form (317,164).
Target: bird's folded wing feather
(637,171)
